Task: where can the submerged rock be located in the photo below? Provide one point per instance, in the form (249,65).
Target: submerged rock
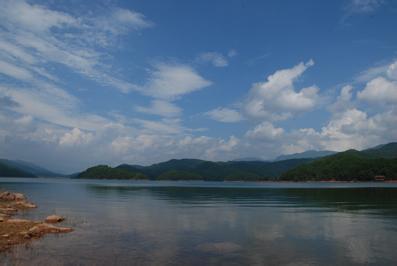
(9,196)
(44,228)
(54,219)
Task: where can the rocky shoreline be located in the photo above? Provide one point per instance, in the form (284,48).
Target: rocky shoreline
(14,231)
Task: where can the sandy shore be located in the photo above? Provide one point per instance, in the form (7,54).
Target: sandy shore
(15,231)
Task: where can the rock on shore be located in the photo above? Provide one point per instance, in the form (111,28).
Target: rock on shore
(14,231)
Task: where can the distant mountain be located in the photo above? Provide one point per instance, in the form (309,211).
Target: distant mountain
(194,169)
(7,170)
(351,165)
(28,169)
(248,159)
(305,154)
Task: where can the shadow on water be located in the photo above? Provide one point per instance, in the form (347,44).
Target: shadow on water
(375,200)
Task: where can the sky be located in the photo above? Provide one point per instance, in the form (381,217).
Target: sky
(139,82)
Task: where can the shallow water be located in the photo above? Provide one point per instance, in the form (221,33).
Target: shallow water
(210,223)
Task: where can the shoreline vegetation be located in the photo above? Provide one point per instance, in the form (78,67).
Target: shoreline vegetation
(14,231)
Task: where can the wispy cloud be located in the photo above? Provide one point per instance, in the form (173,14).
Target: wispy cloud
(214,58)
(225,115)
(161,108)
(360,7)
(37,36)
(171,81)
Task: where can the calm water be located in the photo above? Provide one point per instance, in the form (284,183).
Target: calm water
(198,223)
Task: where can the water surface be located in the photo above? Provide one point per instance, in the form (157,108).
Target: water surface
(210,223)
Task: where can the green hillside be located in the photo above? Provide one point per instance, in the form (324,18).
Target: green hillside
(350,165)
(104,172)
(385,151)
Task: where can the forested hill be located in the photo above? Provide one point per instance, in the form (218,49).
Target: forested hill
(192,169)
(350,165)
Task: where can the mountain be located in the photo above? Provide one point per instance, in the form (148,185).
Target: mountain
(248,159)
(7,170)
(350,165)
(28,169)
(194,169)
(305,154)
(385,150)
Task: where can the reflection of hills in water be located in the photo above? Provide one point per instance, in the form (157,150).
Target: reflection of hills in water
(377,201)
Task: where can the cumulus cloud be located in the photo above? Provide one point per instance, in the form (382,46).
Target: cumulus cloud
(266,131)
(170,81)
(392,71)
(276,98)
(344,99)
(225,115)
(75,137)
(161,108)
(216,59)
(379,90)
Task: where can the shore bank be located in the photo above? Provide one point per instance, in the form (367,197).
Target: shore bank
(14,231)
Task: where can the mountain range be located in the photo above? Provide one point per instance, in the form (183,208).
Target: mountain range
(18,168)
(349,165)
(310,165)
(305,155)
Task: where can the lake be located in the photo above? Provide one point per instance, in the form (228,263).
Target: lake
(210,223)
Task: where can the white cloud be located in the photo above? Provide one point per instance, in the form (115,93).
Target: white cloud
(216,59)
(166,126)
(161,108)
(170,81)
(225,115)
(265,130)
(16,52)
(344,99)
(222,148)
(35,36)
(363,6)
(276,98)
(360,7)
(392,71)
(128,18)
(55,109)
(352,128)
(75,137)
(33,17)
(14,71)
(232,53)
(379,90)
(386,70)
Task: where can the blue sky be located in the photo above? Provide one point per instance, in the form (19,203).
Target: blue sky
(84,82)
